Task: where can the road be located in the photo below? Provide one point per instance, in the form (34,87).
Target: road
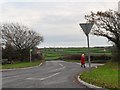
(52,74)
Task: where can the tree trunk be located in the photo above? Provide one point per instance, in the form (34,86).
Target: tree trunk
(116,54)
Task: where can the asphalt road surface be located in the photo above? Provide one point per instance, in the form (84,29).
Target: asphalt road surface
(52,74)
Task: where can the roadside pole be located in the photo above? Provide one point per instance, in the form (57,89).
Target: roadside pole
(88,51)
(30,54)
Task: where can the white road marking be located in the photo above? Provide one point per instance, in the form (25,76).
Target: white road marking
(78,63)
(60,68)
(61,65)
(43,78)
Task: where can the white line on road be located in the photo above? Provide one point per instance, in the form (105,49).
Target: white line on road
(61,65)
(78,63)
(43,78)
(60,68)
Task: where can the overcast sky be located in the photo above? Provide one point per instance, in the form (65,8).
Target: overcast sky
(57,21)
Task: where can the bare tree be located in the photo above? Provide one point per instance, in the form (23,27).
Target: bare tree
(20,36)
(107,24)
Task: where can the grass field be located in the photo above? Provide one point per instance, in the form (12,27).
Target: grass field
(21,65)
(105,76)
(55,53)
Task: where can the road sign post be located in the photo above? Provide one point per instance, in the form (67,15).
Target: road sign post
(86,28)
(30,54)
(88,51)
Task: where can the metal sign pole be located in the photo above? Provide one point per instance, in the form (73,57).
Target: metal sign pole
(88,51)
(30,54)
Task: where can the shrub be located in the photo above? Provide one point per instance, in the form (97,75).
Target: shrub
(37,57)
(100,57)
(5,61)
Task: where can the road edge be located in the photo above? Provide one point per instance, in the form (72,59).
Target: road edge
(4,70)
(87,84)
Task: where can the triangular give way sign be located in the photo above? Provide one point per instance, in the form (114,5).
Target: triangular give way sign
(86,27)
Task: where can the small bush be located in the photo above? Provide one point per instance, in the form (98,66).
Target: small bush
(37,57)
(5,61)
(100,57)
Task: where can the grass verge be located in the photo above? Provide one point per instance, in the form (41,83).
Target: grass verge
(21,65)
(104,76)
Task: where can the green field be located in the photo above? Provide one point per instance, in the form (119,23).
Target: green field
(56,53)
(105,76)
